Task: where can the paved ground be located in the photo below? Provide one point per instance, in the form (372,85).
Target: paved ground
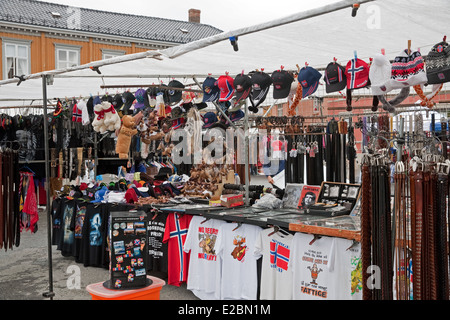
(24,272)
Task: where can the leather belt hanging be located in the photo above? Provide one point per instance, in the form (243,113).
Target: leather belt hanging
(366,235)
(417,226)
(376,240)
(441,228)
(2,213)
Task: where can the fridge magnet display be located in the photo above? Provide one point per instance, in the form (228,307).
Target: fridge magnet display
(127,262)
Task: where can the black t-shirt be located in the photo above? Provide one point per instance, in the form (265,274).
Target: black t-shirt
(67,236)
(95,251)
(157,250)
(77,227)
(56,221)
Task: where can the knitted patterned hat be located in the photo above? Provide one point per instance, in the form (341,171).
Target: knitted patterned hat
(408,70)
(438,63)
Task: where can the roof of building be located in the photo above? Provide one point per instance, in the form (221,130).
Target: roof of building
(39,13)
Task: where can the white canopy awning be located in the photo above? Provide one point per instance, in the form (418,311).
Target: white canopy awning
(379,24)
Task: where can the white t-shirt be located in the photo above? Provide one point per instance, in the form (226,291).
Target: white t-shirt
(276,276)
(323,269)
(239,270)
(204,264)
(349,254)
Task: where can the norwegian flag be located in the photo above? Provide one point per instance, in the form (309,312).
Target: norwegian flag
(279,255)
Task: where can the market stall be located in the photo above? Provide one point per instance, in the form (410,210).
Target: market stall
(108,152)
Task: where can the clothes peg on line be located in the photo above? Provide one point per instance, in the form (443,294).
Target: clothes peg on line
(409,47)
(383,51)
(355,54)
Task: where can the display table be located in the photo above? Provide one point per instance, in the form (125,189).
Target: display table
(151,292)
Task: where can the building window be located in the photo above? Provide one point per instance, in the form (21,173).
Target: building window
(67,57)
(16,59)
(109,54)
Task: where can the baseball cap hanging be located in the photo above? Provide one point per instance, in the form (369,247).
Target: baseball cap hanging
(243,85)
(178,123)
(261,82)
(187,96)
(335,78)
(282,81)
(237,115)
(210,90)
(209,119)
(309,78)
(357,73)
(226,87)
(175,95)
(438,63)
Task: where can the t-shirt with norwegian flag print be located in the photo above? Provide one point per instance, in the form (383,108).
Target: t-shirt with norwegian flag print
(276,276)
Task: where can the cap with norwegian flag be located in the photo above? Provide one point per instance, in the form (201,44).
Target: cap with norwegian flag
(357,73)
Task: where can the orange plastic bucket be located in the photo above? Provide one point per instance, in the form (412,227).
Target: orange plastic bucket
(152,292)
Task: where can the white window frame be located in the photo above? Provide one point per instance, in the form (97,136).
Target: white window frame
(16,43)
(108,54)
(68,49)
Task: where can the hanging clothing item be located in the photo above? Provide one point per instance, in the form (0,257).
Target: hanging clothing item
(276,275)
(204,264)
(9,209)
(29,216)
(177,226)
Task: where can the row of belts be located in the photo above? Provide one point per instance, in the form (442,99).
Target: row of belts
(351,154)
(2,215)
(429,236)
(401,239)
(384,220)
(294,165)
(366,246)
(417,233)
(376,232)
(442,234)
(8,207)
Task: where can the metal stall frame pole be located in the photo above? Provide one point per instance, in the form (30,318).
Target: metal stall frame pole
(246,153)
(246,137)
(50,294)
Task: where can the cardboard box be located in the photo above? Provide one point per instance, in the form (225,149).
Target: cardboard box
(232,200)
(215,203)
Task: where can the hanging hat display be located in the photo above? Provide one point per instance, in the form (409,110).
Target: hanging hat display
(438,63)
(408,69)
